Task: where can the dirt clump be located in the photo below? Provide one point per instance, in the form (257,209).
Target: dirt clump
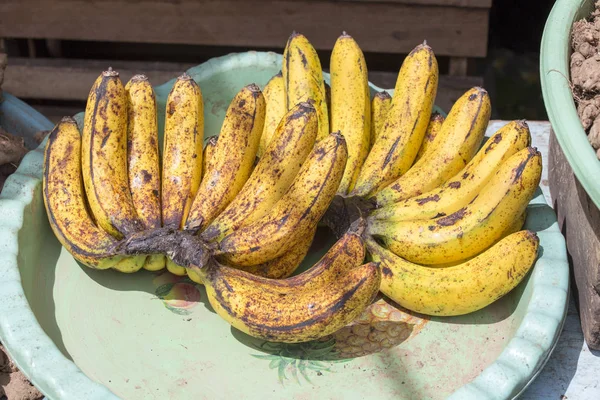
(585,74)
(15,385)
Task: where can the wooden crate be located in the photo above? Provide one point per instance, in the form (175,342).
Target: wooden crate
(579,221)
(456,29)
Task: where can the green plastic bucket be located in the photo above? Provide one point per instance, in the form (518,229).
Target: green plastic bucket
(555,56)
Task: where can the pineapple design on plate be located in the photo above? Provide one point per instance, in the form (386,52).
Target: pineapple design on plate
(382,326)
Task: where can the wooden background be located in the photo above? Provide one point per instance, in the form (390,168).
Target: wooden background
(56,48)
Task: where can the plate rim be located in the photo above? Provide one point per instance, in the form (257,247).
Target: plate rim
(35,354)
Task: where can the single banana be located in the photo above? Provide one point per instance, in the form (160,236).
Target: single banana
(182,154)
(458,141)
(459,190)
(345,254)
(461,289)
(515,226)
(380,106)
(296,213)
(285,265)
(293,140)
(474,227)
(281,310)
(65,202)
(303,79)
(429,141)
(233,159)
(208,154)
(405,125)
(104,157)
(143,158)
(276,108)
(350,111)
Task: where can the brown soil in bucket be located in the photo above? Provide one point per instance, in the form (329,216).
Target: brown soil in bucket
(585,74)
(14,384)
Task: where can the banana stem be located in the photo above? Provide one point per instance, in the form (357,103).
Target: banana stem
(345,211)
(183,247)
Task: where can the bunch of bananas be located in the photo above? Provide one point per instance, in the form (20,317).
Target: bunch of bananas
(440,217)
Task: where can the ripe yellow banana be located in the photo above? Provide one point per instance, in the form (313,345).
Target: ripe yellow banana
(459,190)
(143,158)
(274,93)
(303,79)
(273,175)
(297,213)
(380,105)
(345,254)
(429,141)
(234,157)
(285,265)
(182,154)
(474,227)
(397,144)
(104,157)
(458,140)
(350,111)
(285,311)
(516,226)
(463,288)
(208,154)
(65,203)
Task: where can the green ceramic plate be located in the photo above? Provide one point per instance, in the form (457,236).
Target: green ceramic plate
(555,54)
(79,334)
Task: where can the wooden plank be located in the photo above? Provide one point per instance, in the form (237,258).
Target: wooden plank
(454,3)
(71,79)
(579,221)
(458,66)
(61,79)
(384,27)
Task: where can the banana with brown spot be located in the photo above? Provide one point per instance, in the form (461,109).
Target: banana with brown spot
(65,203)
(233,159)
(456,144)
(182,154)
(104,157)
(295,309)
(472,228)
(459,190)
(285,265)
(516,226)
(303,79)
(293,141)
(350,111)
(345,254)
(297,213)
(463,288)
(380,106)
(405,125)
(143,158)
(429,141)
(274,93)
(208,154)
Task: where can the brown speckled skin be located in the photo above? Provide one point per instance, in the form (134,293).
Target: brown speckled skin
(104,157)
(455,145)
(64,198)
(233,158)
(463,187)
(273,175)
(400,138)
(473,228)
(296,213)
